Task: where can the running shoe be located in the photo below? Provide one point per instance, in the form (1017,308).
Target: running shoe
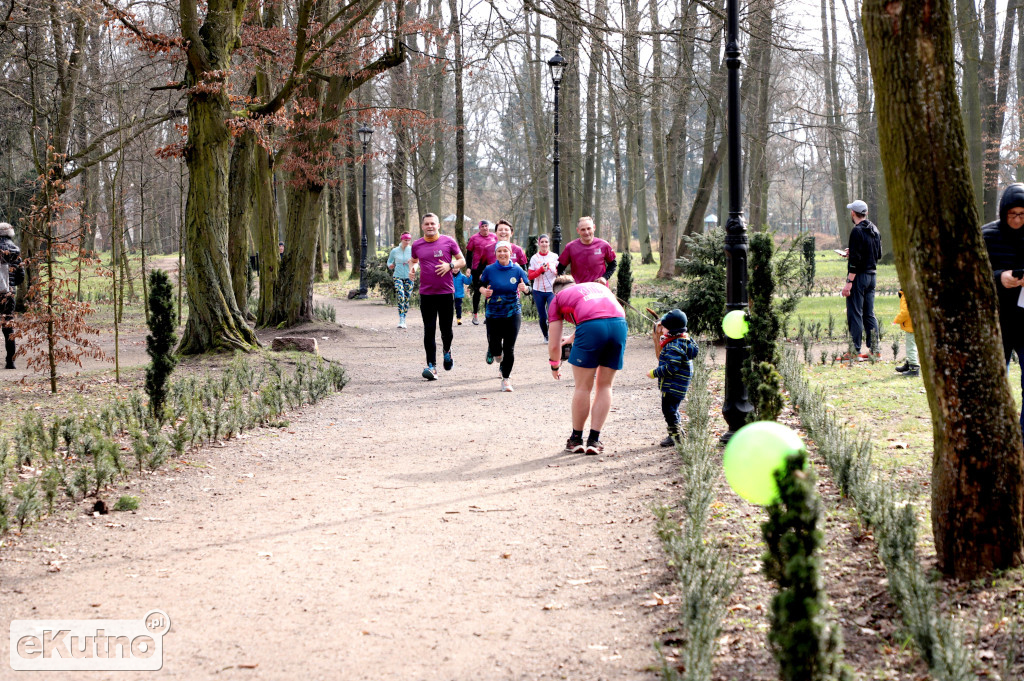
(476,322)
(490,357)
(595,447)
(458,322)
(448,361)
(430,373)
(401,322)
(575,445)
(506,385)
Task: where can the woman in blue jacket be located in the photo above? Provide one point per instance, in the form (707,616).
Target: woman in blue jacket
(502,282)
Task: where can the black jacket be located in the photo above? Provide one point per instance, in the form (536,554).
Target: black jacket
(1006,252)
(10,264)
(865,248)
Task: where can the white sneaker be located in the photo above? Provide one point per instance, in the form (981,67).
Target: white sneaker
(506,385)
(401,323)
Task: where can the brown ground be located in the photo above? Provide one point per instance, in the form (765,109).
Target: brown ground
(399,530)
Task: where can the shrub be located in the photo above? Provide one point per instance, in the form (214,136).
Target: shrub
(160,341)
(127,503)
(764,385)
(806,645)
(624,282)
(324,312)
(703,270)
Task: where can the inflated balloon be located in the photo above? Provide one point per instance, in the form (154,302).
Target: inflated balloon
(735,324)
(752,456)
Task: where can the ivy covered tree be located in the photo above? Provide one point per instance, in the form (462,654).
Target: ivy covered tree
(807,646)
(160,341)
(764,384)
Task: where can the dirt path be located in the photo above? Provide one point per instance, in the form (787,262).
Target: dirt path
(399,530)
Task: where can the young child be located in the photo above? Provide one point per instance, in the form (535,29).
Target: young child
(461,281)
(911,366)
(675,351)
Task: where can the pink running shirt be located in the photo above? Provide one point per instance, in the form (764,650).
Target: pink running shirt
(587,263)
(482,248)
(585,302)
(431,254)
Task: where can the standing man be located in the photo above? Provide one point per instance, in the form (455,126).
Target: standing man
(863,253)
(11,275)
(589,258)
(438,256)
(480,249)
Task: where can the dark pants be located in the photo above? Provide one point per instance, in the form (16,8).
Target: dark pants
(542,299)
(860,311)
(458,308)
(436,308)
(476,289)
(7,323)
(670,410)
(501,340)
(1019,349)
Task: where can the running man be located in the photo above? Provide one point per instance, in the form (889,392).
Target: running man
(598,349)
(480,249)
(438,256)
(588,258)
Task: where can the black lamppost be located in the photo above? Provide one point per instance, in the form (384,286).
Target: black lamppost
(365,133)
(736,408)
(557,65)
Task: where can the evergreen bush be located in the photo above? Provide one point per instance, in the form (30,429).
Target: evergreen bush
(703,271)
(624,283)
(808,245)
(160,341)
(764,384)
(806,645)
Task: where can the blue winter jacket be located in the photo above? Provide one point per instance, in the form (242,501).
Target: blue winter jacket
(675,366)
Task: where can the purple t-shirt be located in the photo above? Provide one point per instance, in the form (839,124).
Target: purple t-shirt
(584,302)
(519,257)
(587,262)
(431,254)
(482,248)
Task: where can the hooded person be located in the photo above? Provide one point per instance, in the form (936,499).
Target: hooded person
(1004,240)
(11,275)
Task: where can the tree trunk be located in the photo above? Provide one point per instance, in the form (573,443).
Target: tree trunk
(969,28)
(634,129)
(266,233)
(666,235)
(241,212)
(352,206)
(836,146)
(978,462)
(593,110)
(214,322)
(760,74)
(996,115)
(460,128)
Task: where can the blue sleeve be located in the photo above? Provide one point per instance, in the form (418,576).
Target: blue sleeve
(391,257)
(485,276)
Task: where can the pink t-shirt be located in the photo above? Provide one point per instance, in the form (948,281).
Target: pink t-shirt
(482,248)
(584,302)
(431,254)
(587,263)
(519,257)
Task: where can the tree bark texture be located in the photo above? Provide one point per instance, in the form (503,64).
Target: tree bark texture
(978,462)
(835,146)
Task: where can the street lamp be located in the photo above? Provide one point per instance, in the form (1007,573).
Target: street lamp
(736,408)
(557,65)
(365,133)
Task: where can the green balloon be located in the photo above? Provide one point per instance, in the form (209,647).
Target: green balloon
(735,324)
(752,456)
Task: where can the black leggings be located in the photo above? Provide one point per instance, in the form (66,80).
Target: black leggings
(437,308)
(501,340)
(7,322)
(476,289)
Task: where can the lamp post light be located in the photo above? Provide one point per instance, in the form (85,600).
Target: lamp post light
(365,133)
(736,408)
(557,65)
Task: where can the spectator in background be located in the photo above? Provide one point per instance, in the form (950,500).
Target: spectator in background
(11,276)
(542,273)
(863,253)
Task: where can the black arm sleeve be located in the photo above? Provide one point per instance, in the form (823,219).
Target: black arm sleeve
(561,268)
(609,269)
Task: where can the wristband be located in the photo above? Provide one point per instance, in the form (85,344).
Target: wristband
(554,363)
(651,373)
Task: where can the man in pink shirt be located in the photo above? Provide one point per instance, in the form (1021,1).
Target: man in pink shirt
(598,349)
(588,258)
(480,249)
(438,256)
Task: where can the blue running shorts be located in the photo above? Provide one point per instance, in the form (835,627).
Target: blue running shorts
(599,342)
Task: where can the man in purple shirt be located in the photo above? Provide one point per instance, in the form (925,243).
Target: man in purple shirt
(438,256)
(589,258)
(480,248)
